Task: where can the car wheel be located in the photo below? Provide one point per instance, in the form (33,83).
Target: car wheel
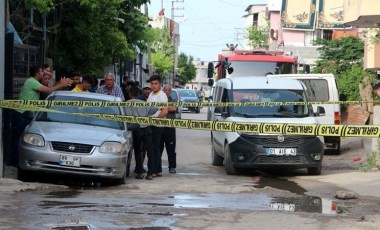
(228,163)
(216,159)
(24,175)
(129,160)
(122,180)
(314,171)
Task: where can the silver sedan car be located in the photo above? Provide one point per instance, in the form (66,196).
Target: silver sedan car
(71,144)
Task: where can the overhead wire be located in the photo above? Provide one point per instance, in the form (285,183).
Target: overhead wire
(215,27)
(231,4)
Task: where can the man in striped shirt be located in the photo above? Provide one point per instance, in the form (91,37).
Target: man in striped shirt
(110,88)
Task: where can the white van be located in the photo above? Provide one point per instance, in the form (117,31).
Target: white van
(253,150)
(323,87)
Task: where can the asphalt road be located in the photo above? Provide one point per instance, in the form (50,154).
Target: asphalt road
(198,196)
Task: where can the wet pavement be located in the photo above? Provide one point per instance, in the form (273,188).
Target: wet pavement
(196,195)
(95,207)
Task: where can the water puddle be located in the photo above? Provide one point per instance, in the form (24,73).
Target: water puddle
(223,201)
(281,184)
(302,202)
(297,200)
(310,204)
(72,227)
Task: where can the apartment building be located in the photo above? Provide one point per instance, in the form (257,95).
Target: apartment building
(294,25)
(366,14)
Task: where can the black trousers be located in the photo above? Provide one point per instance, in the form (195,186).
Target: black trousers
(156,137)
(21,124)
(168,141)
(143,136)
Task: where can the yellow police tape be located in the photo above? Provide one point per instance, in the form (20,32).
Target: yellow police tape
(47,103)
(240,127)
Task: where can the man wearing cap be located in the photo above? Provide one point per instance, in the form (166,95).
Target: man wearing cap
(146,92)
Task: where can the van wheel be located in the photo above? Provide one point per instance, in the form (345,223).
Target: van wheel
(337,150)
(228,163)
(216,159)
(314,171)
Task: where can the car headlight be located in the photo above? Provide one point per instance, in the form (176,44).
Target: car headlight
(111,147)
(34,139)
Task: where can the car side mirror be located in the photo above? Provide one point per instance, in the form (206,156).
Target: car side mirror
(210,98)
(343,97)
(306,68)
(210,70)
(133,126)
(320,111)
(210,82)
(230,70)
(27,115)
(218,110)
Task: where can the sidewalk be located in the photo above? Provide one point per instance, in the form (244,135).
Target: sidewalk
(362,183)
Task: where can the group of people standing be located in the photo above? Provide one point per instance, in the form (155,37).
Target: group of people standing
(147,139)
(152,139)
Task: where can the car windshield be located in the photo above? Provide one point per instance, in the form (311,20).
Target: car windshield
(187,93)
(78,119)
(259,68)
(270,95)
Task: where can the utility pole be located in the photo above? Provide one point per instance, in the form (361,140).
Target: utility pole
(148,47)
(3,14)
(173,34)
(237,36)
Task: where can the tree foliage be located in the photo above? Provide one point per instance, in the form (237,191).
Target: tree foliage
(258,36)
(162,51)
(344,58)
(42,6)
(187,70)
(338,55)
(93,32)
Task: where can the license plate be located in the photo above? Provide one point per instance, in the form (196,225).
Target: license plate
(66,160)
(283,207)
(281,152)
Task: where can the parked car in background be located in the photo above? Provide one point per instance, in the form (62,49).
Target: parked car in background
(176,97)
(71,144)
(189,95)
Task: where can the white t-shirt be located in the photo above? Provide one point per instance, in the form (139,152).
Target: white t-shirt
(160,96)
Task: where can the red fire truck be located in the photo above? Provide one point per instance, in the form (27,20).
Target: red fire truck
(253,63)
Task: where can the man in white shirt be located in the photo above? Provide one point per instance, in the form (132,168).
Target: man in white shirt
(157,95)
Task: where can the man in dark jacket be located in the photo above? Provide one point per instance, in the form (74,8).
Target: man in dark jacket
(169,137)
